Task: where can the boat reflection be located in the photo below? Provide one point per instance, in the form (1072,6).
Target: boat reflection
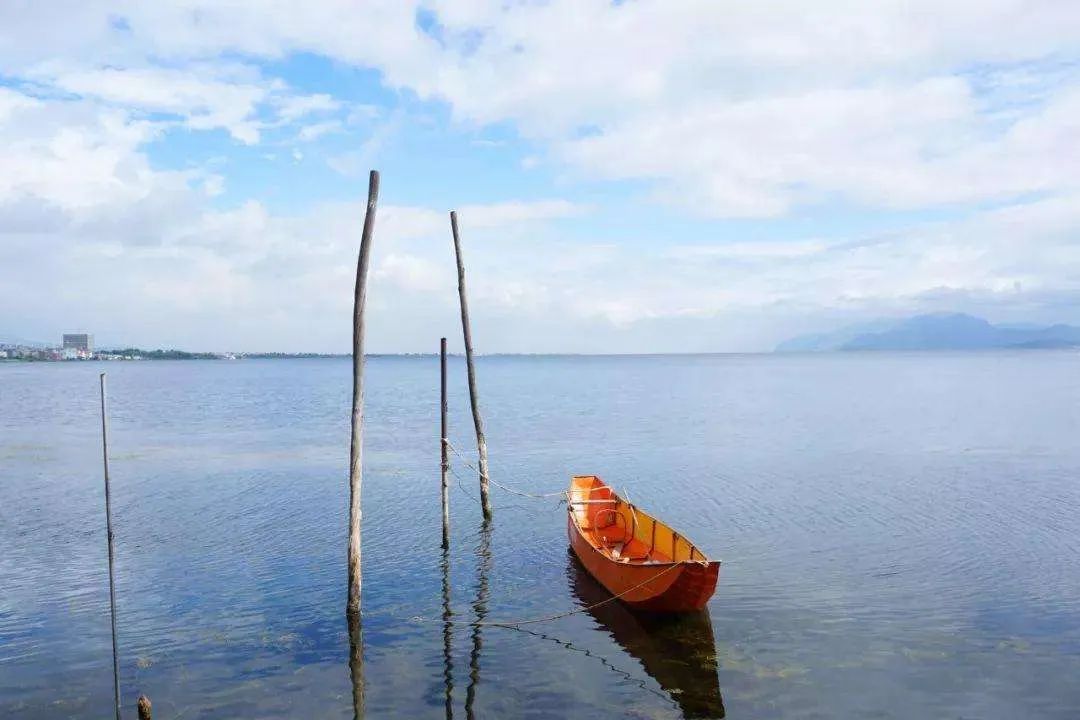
(678,651)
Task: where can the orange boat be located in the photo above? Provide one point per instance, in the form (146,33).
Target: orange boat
(639,559)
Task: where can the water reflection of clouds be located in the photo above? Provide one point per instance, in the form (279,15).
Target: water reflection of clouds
(862,577)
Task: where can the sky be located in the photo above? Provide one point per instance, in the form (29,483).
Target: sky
(636,176)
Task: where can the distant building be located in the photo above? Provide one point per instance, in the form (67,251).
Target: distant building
(79,342)
(77,346)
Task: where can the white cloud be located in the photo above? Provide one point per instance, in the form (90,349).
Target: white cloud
(359,161)
(509,213)
(314,131)
(91,234)
(755,109)
(75,156)
(214,185)
(204,103)
(736,110)
(412,273)
(730,110)
(200,95)
(295,107)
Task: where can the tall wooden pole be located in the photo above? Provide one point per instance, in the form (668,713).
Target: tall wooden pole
(356,446)
(481,443)
(109,538)
(445,460)
(356,663)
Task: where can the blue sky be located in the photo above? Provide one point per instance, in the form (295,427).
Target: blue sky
(646,176)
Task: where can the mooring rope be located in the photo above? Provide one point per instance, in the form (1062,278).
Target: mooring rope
(459,481)
(568,613)
(603,660)
(536,496)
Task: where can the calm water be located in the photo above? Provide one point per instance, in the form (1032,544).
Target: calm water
(901,537)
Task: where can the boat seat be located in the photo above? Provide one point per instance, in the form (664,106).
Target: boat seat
(611,536)
(619,548)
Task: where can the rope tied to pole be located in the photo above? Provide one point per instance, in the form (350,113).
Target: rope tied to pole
(459,482)
(466,463)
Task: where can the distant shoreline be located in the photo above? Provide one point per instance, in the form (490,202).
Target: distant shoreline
(214,357)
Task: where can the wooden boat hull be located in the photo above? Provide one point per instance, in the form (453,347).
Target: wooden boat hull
(660,571)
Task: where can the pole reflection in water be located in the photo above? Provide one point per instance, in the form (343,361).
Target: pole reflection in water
(483,553)
(356,663)
(448,638)
(678,651)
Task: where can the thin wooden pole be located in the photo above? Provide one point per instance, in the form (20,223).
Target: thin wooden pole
(356,663)
(357,442)
(109,537)
(445,460)
(481,443)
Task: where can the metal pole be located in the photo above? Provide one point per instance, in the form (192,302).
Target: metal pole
(445,460)
(481,443)
(356,445)
(109,534)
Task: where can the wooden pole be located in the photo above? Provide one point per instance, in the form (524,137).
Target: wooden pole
(356,663)
(357,442)
(109,538)
(481,443)
(445,460)
(144,708)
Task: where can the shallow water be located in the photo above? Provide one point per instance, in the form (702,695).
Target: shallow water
(900,535)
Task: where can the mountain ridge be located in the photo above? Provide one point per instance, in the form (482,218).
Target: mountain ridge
(938,331)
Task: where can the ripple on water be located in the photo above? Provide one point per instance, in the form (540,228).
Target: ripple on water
(898,535)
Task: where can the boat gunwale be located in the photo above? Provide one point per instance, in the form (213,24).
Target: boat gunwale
(704,562)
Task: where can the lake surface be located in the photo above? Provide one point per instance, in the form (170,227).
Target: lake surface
(900,536)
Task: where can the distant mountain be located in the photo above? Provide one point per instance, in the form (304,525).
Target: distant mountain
(943,331)
(823,342)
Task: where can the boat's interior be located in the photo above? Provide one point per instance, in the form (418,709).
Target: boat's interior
(621,531)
